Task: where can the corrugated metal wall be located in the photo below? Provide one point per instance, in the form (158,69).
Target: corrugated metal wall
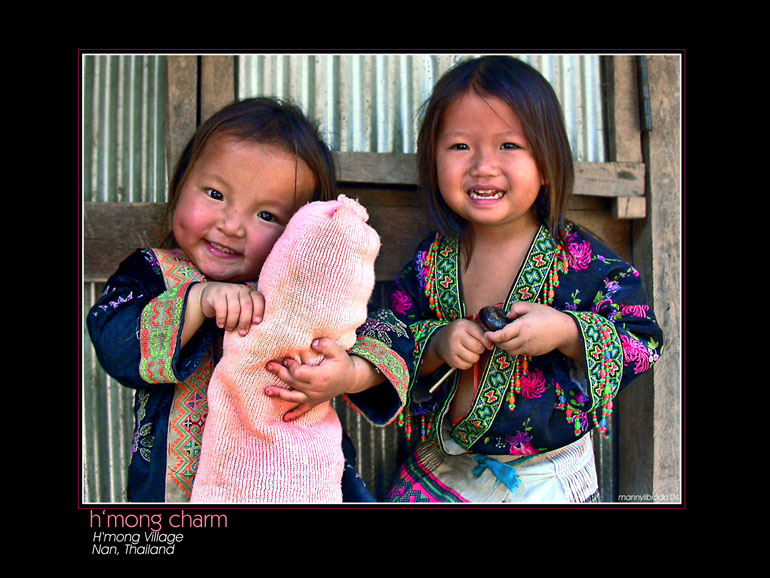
(370,102)
(123,159)
(124,128)
(364,103)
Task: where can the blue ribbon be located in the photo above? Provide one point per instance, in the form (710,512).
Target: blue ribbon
(505,473)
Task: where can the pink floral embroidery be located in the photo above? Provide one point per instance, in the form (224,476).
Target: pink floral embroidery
(400,302)
(635,310)
(634,351)
(533,384)
(520,444)
(601,305)
(580,255)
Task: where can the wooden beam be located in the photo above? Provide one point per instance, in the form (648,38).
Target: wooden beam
(182,104)
(614,179)
(381,168)
(217,83)
(113,230)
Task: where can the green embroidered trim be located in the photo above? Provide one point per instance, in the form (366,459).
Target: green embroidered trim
(498,372)
(158,333)
(447,277)
(422,331)
(189,407)
(386,360)
(603,354)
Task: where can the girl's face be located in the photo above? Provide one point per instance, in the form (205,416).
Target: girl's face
(234,204)
(486,171)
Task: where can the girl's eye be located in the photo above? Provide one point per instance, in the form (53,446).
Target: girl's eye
(265,216)
(509,146)
(214,194)
(459,146)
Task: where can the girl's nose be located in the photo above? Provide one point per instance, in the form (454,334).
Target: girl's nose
(484,163)
(231,223)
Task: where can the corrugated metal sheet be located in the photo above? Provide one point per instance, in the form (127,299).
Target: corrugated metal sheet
(369,102)
(364,103)
(123,159)
(108,424)
(124,120)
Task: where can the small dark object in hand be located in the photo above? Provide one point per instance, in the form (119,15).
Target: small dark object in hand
(493,318)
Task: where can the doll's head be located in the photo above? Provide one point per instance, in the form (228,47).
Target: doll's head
(320,274)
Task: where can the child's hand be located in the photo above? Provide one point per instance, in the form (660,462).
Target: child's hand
(536,330)
(311,385)
(461,344)
(234,306)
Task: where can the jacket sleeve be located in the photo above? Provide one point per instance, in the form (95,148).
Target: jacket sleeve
(621,337)
(385,341)
(135,326)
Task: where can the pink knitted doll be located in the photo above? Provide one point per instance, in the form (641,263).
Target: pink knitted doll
(316,282)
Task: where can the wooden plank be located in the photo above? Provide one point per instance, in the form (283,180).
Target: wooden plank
(217,83)
(113,230)
(623,126)
(182,111)
(614,179)
(380,168)
(629,208)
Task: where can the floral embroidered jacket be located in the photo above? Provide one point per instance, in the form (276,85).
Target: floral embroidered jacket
(135,328)
(552,405)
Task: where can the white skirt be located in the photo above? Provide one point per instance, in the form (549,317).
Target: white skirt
(565,475)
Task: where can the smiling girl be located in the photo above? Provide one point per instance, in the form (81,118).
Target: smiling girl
(511,421)
(159,324)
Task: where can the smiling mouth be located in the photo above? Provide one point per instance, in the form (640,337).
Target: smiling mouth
(222,248)
(486,194)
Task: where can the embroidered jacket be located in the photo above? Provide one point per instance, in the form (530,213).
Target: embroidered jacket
(552,405)
(135,328)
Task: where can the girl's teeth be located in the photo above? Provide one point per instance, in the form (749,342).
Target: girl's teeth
(222,249)
(486,194)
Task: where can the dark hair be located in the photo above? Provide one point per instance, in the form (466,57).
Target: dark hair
(533,100)
(266,121)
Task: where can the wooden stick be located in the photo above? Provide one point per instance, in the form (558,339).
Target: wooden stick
(442,380)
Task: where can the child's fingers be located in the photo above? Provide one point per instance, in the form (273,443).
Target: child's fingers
(297,412)
(473,343)
(466,353)
(480,338)
(296,372)
(510,339)
(224,315)
(258,305)
(244,308)
(282,371)
(288,395)
(518,309)
(328,347)
(245,312)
